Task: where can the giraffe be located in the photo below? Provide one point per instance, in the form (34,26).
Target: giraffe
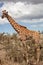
(23,32)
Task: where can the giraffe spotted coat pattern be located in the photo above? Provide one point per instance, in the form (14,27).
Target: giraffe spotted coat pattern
(23,32)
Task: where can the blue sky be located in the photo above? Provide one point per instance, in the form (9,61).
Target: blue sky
(27,14)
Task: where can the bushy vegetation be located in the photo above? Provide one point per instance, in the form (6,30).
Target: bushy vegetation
(16,52)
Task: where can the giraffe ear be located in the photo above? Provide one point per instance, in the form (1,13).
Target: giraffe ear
(7,12)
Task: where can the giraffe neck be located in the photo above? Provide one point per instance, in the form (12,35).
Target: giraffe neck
(15,25)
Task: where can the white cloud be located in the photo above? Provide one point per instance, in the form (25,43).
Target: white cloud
(17,9)
(37,26)
(32,21)
(3,21)
(24,12)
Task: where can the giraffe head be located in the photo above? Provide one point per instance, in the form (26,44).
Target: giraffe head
(4,14)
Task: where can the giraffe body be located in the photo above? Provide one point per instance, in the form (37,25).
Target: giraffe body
(23,32)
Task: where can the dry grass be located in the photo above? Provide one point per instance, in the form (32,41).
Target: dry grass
(13,52)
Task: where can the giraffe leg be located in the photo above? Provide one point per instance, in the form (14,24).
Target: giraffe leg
(25,47)
(24,43)
(37,52)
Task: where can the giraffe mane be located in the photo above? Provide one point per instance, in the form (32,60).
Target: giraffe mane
(23,26)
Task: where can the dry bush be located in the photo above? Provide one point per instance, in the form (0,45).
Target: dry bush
(16,52)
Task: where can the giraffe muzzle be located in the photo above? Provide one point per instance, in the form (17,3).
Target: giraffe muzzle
(2,17)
